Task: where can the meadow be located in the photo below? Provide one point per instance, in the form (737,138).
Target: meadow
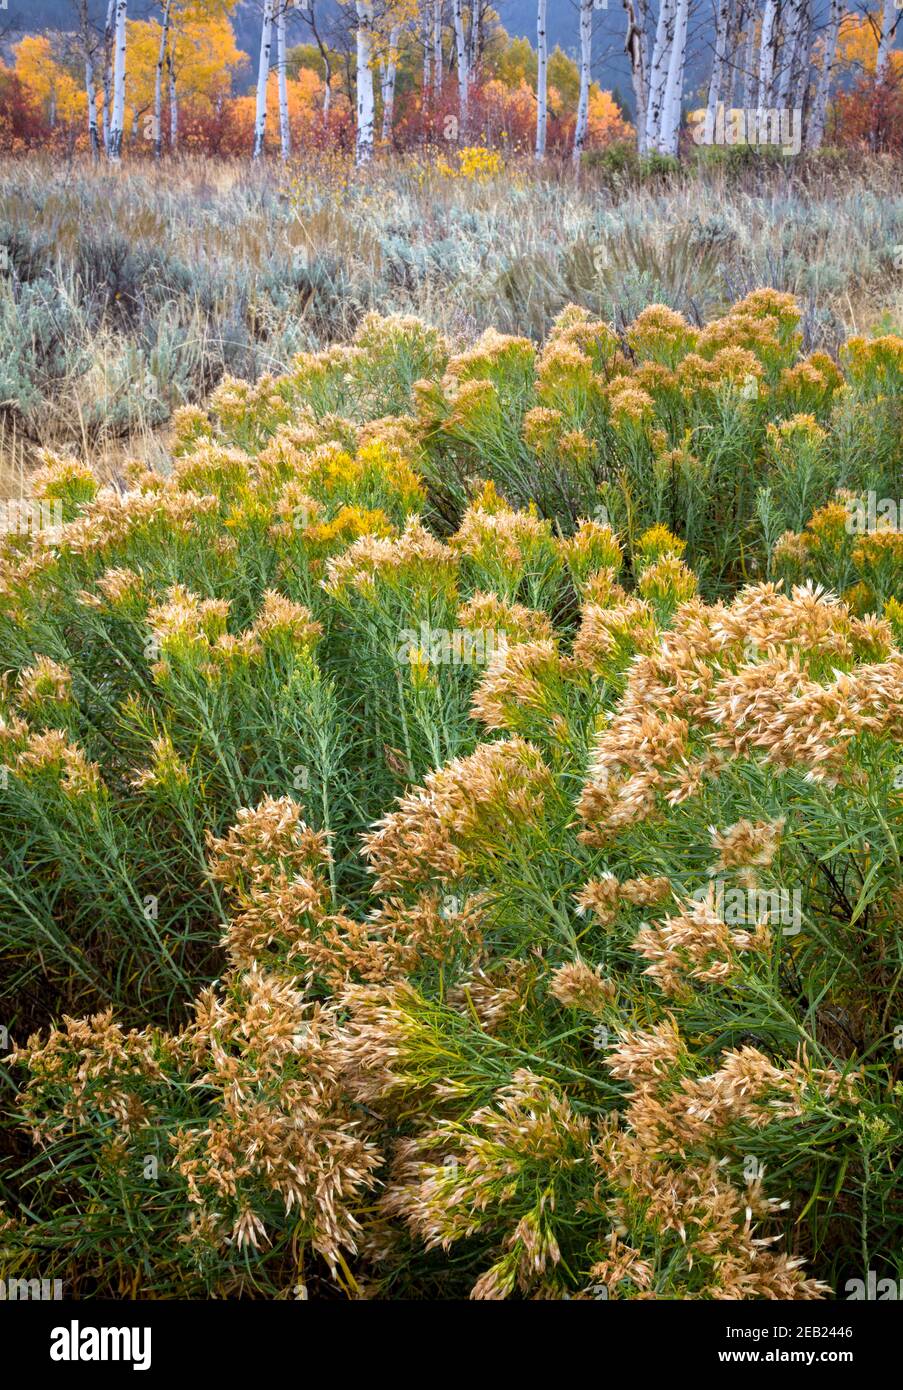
(452,767)
(133,291)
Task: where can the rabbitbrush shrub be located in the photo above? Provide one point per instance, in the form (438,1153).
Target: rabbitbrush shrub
(451,828)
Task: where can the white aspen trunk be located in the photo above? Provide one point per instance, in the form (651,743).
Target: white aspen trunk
(437,48)
(390,68)
(263,72)
(158,82)
(542,80)
(802,69)
(586,58)
(285,133)
(734,62)
(816,131)
(118,117)
(107,76)
(426,85)
(637,49)
(658,76)
(92,106)
(674,86)
(793,18)
(89,81)
(476,37)
(173,106)
(766,55)
(731,59)
(750,82)
(642,10)
(889,20)
(365,101)
(719,61)
(463,74)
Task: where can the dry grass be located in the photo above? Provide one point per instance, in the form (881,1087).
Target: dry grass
(136,290)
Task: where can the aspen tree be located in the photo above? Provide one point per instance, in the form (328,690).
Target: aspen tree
(815,133)
(542,69)
(658,77)
(674,86)
(117,118)
(586,54)
(365,98)
(263,73)
(636,46)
